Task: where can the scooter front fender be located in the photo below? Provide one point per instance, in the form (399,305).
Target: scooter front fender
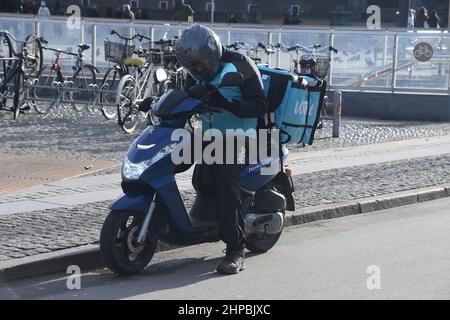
(130,202)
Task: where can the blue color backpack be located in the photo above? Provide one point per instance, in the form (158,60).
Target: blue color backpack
(294,108)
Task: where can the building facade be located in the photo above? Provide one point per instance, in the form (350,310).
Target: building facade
(257,10)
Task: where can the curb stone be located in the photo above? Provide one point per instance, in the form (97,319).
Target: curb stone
(89,257)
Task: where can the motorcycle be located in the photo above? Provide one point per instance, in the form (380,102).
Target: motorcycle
(151,208)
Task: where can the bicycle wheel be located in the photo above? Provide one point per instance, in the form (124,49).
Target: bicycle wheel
(108,90)
(33,57)
(44,93)
(83,93)
(128,112)
(6,51)
(19,94)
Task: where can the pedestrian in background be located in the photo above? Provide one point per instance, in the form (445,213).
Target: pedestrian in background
(127,13)
(434,21)
(43,10)
(421,18)
(20,7)
(411,18)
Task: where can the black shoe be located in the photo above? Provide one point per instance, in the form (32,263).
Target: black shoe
(232,263)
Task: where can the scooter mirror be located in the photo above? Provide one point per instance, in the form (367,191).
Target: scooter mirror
(161,75)
(232,79)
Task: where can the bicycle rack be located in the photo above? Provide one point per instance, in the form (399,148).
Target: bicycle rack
(63,94)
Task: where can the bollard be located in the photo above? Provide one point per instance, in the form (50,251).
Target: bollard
(94,45)
(337,112)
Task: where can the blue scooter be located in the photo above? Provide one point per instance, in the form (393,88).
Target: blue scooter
(152,209)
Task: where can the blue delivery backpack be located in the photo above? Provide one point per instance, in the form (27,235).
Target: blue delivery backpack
(294,107)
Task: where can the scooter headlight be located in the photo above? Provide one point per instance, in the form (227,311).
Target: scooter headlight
(132,171)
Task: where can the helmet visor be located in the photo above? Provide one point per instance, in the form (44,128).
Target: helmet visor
(199,70)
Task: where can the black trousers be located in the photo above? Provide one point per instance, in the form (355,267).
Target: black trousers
(232,204)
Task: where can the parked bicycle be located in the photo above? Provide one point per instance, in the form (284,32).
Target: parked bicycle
(168,73)
(145,72)
(19,68)
(116,52)
(52,88)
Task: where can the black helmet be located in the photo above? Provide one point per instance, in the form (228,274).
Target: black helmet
(199,51)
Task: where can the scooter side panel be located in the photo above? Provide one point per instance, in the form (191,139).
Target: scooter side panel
(149,143)
(170,195)
(130,202)
(255,176)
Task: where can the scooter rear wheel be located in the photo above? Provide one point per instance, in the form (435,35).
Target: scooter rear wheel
(121,252)
(260,243)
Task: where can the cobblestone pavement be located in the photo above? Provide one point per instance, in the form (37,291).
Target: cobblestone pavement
(60,192)
(85,136)
(54,229)
(77,136)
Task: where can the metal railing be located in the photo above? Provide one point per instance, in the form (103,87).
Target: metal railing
(368,60)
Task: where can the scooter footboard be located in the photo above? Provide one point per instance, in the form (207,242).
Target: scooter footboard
(130,202)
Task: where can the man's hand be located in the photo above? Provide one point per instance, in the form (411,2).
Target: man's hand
(216,98)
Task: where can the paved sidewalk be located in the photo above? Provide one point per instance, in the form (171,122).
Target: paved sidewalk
(82,190)
(19,171)
(334,158)
(69,213)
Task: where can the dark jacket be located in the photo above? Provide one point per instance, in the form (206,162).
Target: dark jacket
(420,21)
(434,21)
(254,104)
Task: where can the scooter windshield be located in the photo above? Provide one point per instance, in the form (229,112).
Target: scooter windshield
(175,103)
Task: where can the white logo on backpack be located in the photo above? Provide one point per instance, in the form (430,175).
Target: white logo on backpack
(301,108)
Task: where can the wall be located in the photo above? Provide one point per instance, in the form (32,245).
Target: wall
(396,106)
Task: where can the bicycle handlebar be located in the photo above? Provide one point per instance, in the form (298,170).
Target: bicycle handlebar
(331,48)
(298,47)
(163,42)
(238,45)
(136,36)
(60,51)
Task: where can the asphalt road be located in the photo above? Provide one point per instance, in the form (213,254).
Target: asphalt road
(401,253)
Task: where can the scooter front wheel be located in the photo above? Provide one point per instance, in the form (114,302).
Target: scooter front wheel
(118,243)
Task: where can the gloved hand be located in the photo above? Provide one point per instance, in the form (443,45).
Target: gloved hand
(198,91)
(145,105)
(216,98)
